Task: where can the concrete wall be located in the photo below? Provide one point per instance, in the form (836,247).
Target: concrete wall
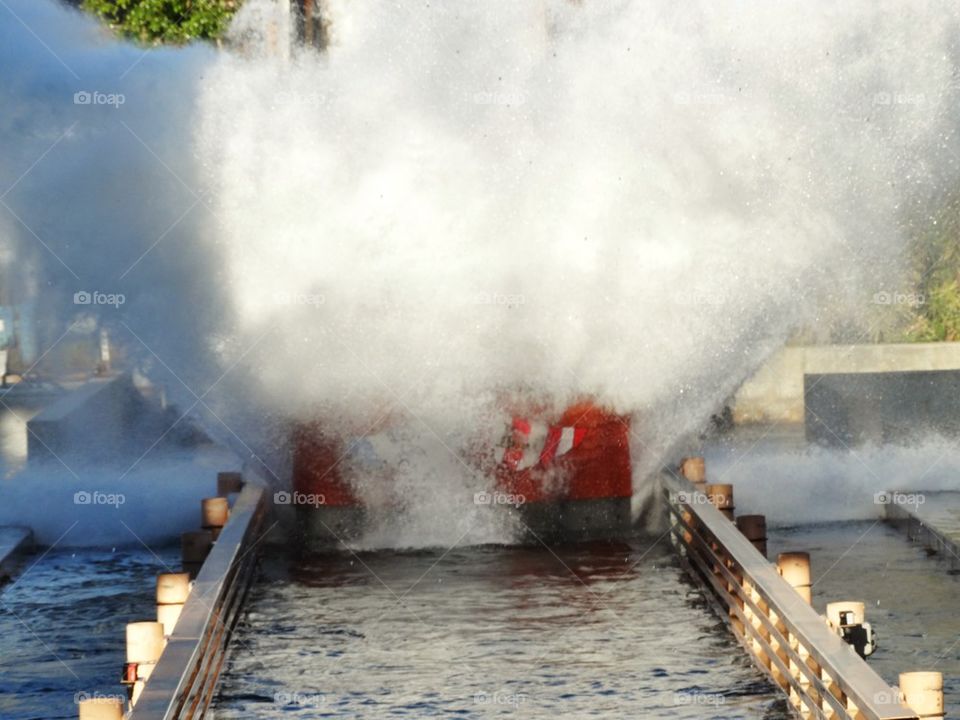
(847,409)
(93,420)
(107,419)
(776,392)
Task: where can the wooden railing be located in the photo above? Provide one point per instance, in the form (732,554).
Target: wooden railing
(822,675)
(185,678)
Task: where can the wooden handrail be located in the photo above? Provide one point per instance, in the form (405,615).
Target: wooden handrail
(183,682)
(796,647)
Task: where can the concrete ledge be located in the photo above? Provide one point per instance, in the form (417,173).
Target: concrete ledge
(102,420)
(92,419)
(849,409)
(935,523)
(775,393)
(890,357)
(13,541)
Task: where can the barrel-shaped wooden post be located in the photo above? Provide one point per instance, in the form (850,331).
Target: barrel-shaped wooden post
(194,548)
(214,513)
(172,592)
(101,708)
(721,497)
(228,483)
(834,610)
(795,569)
(145,644)
(694,469)
(923,693)
(754,528)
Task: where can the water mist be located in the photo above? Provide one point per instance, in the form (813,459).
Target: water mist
(632,201)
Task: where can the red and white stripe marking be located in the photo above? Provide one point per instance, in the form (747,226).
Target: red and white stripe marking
(542,444)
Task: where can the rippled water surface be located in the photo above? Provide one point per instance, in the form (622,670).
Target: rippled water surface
(588,631)
(62,626)
(911,599)
(579,631)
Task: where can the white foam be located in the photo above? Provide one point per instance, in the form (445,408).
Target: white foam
(631,200)
(796,486)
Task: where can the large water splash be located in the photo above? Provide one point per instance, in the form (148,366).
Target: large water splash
(635,201)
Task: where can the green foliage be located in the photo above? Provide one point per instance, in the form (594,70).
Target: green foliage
(940,317)
(165,21)
(936,256)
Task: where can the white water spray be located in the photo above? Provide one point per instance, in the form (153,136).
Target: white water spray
(635,201)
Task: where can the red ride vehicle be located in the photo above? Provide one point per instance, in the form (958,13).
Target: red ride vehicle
(566,477)
(573,476)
